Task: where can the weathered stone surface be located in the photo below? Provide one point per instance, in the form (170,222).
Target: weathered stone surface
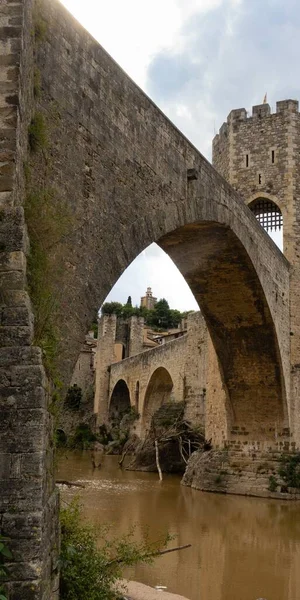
(123,171)
(186,370)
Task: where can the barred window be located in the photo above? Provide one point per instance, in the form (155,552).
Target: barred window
(267,213)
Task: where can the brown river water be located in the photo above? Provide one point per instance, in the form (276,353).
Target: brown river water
(242,548)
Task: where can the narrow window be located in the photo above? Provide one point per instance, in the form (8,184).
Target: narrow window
(273,157)
(247,160)
(259,178)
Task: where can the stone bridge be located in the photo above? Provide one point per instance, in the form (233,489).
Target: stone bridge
(102,173)
(173,372)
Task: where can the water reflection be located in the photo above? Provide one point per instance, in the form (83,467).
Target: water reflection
(242,548)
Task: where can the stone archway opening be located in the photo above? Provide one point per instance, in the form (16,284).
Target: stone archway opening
(119,403)
(158,392)
(269,216)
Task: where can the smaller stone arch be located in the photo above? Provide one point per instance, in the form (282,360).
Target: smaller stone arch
(158,392)
(119,403)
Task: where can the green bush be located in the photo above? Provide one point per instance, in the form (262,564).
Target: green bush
(82,438)
(73,397)
(273,483)
(92,561)
(5,553)
(289,470)
(37,134)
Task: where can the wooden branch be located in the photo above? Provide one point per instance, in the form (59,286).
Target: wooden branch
(181,450)
(69,483)
(157,460)
(150,554)
(161,552)
(123,456)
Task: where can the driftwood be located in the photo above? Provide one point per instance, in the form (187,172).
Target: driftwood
(69,483)
(123,457)
(157,460)
(151,554)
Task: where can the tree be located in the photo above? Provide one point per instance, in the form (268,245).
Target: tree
(74,397)
(129,301)
(112,308)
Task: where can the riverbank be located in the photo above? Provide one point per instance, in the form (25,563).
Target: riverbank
(139,591)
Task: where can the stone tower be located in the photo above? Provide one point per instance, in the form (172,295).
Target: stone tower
(259,155)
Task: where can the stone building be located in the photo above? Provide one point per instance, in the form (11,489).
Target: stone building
(148,301)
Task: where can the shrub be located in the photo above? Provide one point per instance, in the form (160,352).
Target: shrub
(92,561)
(289,470)
(37,135)
(82,438)
(273,483)
(73,397)
(4,554)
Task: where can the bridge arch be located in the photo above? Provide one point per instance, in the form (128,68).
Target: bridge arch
(158,392)
(119,403)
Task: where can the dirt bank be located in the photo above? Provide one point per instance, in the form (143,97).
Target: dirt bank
(139,591)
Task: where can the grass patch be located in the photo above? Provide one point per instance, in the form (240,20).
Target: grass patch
(37,133)
(47,221)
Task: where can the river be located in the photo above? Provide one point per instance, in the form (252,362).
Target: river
(242,548)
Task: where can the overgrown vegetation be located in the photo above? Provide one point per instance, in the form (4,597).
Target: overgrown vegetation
(39,24)
(273,483)
(48,221)
(37,132)
(289,470)
(170,441)
(73,398)
(92,561)
(160,317)
(5,554)
(82,438)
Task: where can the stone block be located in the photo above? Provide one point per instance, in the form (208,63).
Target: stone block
(12,261)
(23,526)
(28,376)
(16,316)
(20,398)
(25,591)
(12,280)
(24,571)
(14,298)
(21,495)
(16,336)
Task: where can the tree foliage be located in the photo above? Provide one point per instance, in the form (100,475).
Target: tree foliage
(290,470)
(73,397)
(5,554)
(160,317)
(92,560)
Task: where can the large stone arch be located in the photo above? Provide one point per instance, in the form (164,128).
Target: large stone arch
(158,392)
(119,402)
(128,197)
(125,177)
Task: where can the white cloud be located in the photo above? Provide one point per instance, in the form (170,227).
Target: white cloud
(134,31)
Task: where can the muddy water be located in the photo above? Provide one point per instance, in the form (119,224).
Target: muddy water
(242,548)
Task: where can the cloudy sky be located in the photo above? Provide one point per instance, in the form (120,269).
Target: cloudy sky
(197,59)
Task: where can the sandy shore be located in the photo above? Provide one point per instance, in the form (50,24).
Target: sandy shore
(139,591)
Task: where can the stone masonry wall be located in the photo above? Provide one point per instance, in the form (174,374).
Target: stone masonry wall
(28,501)
(257,137)
(129,177)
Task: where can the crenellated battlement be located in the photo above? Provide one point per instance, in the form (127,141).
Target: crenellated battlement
(259,111)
